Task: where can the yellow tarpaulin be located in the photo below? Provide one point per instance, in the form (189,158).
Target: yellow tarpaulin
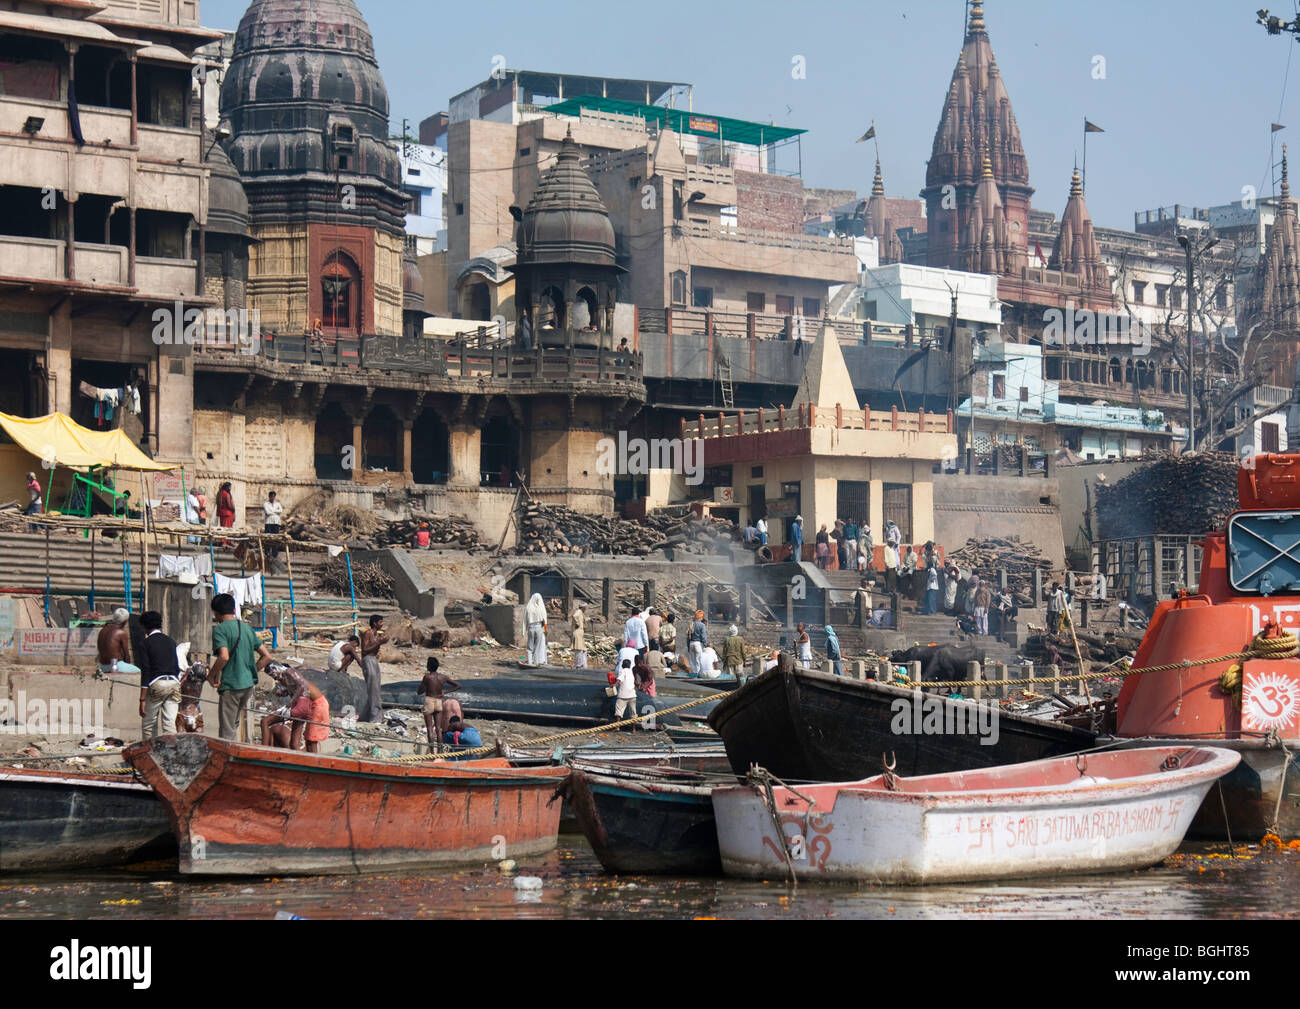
(57,440)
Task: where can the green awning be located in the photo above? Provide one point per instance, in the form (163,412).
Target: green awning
(738,131)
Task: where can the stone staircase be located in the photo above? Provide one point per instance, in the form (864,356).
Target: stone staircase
(23,570)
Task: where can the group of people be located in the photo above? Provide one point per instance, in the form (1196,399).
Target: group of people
(196,509)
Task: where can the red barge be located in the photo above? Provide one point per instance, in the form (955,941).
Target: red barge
(1247,600)
(252,810)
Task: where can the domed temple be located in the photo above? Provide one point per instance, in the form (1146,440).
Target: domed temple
(343,391)
(307,111)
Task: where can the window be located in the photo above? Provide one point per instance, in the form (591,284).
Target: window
(999,386)
(1024,394)
(1177,296)
(1221,298)
(812,307)
(784,304)
(755,301)
(1139,291)
(634,182)
(702,297)
(412,171)
(755,471)
(1162,295)
(679,287)
(343,162)
(460,209)
(679,201)
(525,151)
(1268,437)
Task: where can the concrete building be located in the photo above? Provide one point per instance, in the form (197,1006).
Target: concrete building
(824,457)
(104,206)
(1015,406)
(424,180)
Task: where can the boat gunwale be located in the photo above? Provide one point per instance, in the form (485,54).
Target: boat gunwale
(1139,784)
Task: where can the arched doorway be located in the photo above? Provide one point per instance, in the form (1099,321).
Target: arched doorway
(333,444)
(381,441)
(586,310)
(499,451)
(430,457)
(341,293)
(550,309)
(476,302)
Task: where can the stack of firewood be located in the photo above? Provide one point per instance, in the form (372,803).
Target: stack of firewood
(548,529)
(1175,495)
(369,579)
(1010,554)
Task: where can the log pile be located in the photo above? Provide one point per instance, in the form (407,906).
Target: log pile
(1175,495)
(315,521)
(370,580)
(1010,554)
(553,529)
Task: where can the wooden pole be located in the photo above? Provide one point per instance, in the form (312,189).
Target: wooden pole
(293,612)
(91,600)
(144,546)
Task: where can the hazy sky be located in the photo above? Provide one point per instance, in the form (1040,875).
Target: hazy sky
(1189,88)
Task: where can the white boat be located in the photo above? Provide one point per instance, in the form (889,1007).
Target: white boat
(1095,812)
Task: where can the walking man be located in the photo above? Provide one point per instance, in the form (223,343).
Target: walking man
(761,527)
(796,539)
(238,657)
(579,623)
(432,687)
(160,679)
(636,633)
(983,600)
(1055,608)
(699,640)
(733,653)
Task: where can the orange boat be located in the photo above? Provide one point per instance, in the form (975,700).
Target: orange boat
(1248,600)
(252,810)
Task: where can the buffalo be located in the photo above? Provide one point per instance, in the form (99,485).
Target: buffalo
(939,662)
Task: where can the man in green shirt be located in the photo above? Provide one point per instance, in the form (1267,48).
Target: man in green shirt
(237,656)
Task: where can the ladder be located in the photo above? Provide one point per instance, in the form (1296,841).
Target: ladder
(723,368)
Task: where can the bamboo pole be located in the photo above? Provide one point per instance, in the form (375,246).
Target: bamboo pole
(144,546)
(91,600)
(293,612)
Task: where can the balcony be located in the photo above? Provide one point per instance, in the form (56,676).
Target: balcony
(773,253)
(769,326)
(38,258)
(166,143)
(171,278)
(100,265)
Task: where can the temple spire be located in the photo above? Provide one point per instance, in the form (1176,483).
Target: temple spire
(878,183)
(976,25)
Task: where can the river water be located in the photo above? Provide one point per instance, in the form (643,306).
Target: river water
(1202,881)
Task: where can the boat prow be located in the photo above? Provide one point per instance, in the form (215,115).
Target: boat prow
(254,810)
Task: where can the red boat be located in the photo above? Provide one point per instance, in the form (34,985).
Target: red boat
(253,810)
(1248,599)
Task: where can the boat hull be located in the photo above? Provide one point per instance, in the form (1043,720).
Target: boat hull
(646,827)
(59,820)
(1249,792)
(1044,818)
(809,726)
(251,810)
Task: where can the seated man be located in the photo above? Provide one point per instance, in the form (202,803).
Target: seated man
(114,645)
(460,734)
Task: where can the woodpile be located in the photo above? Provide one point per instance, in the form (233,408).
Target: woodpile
(369,579)
(1010,554)
(1175,495)
(364,530)
(552,529)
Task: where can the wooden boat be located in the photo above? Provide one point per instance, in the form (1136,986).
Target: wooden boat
(809,726)
(55,819)
(237,809)
(570,700)
(1099,812)
(645,820)
(1248,594)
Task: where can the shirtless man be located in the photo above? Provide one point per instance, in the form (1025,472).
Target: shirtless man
(432,686)
(287,731)
(372,639)
(114,645)
(344,653)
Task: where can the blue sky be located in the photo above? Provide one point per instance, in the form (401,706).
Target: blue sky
(1189,91)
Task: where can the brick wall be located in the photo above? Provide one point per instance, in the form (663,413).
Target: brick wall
(769,202)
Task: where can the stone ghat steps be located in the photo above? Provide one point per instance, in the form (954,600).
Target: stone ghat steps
(23,568)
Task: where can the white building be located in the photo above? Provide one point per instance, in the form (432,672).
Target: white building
(424,177)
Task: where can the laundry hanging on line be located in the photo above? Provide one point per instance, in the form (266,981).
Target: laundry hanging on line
(246,591)
(170,565)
